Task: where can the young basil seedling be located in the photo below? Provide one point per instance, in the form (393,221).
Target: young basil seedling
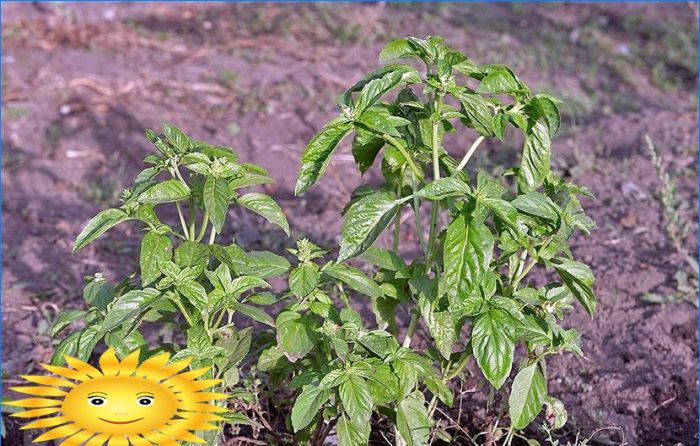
(185,278)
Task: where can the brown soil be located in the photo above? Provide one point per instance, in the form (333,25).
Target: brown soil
(80,82)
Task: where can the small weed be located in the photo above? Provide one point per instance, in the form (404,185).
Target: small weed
(13,113)
(228,79)
(686,286)
(677,225)
(52,136)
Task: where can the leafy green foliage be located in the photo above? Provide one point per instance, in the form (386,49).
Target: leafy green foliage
(469,286)
(184,278)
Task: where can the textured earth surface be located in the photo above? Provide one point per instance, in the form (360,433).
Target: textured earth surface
(80,82)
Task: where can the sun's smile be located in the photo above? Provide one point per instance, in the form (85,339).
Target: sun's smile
(120,422)
(159,405)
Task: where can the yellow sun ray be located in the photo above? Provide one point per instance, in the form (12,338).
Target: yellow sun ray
(59,432)
(39,391)
(77,439)
(48,380)
(34,402)
(98,440)
(122,403)
(181,432)
(45,422)
(128,365)
(137,440)
(186,377)
(196,386)
(109,363)
(34,413)
(82,366)
(118,441)
(66,372)
(152,365)
(159,439)
(197,422)
(171,369)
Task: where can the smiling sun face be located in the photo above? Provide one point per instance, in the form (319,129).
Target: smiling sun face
(123,403)
(120,405)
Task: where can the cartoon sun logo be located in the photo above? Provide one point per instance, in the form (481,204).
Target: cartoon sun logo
(125,403)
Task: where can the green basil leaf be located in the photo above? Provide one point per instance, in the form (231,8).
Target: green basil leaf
(356,399)
(318,152)
(579,278)
(350,434)
(166,192)
(155,248)
(121,343)
(265,206)
(377,83)
(365,221)
(354,278)
(556,411)
(240,285)
(128,306)
(99,293)
(264,264)
(216,196)
(263,298)
(412,420)
(380,123)
(255,313)
(536,204)
(467,253)
(68,347)
(89,337)
(527,395)
(443,188)
(307,405)
(365,153)
(194,292)
(498,81)
(379,342)
(440,389)
(177,138)
(493,345)
(477,111)
(303,280)
(192,254)
(98,225)
(63,320)
(216,151)
(444,327)
(383,384)
(296,334)
(545,107)
(535,161)
(249,175)
(388,260)
(272,358)
(396,49)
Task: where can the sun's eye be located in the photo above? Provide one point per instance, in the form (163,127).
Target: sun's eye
(144,400)
(97,400)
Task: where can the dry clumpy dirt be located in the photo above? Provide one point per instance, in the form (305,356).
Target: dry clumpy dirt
(80,82)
